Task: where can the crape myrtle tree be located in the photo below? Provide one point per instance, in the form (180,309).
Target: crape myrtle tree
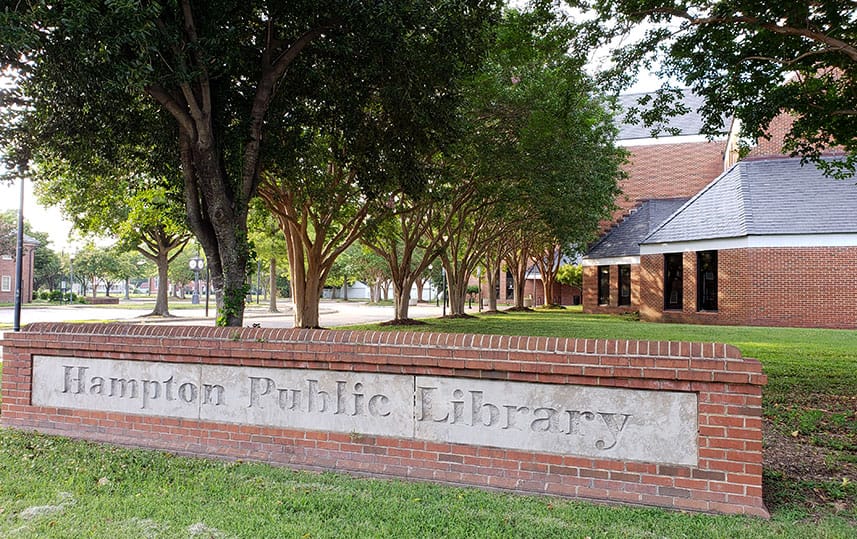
(360,142)
(540,147)
(213,70)
(408,244)
(751,58)
(321,210)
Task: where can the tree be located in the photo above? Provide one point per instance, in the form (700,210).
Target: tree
(145,213)
(268,244)
(407,244)
(570,274)
(539,153)
(92,265)
(209,74)
(320,209)
(754,59)
(371,269)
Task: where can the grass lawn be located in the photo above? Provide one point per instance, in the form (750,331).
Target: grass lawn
(53,487)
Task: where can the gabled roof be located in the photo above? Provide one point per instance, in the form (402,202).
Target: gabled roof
(624,238)
(764,197)
(686,124)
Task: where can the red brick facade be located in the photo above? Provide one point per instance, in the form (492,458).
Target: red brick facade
(727,477)
(590,291)
(786,286)
(7,276)
(670,171)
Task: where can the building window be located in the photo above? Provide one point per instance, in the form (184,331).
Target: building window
(624,284)
(6,284)
(673,281)
(603,285)
(706,281)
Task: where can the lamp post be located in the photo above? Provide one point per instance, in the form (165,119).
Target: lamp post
(196,264)
(19,263)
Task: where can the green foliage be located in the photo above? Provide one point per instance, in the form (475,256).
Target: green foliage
(751,59)
(570,274)
(216,93)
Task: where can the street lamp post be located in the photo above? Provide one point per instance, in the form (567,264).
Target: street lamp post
(196,264)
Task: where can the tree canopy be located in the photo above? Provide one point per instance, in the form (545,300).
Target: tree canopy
(754,59)
(198,83)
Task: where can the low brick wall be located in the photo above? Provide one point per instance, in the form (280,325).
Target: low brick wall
(721,473)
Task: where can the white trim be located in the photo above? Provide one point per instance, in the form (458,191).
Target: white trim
(652,141)
(611,261)
(749,242)
(6,283)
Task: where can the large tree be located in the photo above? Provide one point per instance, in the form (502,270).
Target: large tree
(754,59)
(212,71)
(539,154)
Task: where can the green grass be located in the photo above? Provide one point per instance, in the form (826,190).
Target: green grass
(102,491)
(81,489)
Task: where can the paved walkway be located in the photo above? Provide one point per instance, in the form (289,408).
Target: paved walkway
(332,313)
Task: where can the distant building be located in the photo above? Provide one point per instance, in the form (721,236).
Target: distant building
(7,273)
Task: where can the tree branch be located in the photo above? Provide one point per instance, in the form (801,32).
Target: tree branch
(835,45)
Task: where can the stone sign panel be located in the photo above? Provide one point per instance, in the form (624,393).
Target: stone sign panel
(627,424)
(613,423)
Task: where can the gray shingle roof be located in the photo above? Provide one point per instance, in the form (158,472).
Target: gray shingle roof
(764,197)
(624,238)
(686,124)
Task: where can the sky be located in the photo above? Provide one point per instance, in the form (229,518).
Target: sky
(40,218)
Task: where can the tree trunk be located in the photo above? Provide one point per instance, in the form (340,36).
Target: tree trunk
(307,277)
(217,215)
(421,282)
(272,284)
(492,276)
(162,299)
(306,295)
(403,299)
(457,293)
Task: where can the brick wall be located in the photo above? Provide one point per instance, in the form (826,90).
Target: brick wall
(590,291)
(670,171)
(727,477)
(791,287)
(7,271)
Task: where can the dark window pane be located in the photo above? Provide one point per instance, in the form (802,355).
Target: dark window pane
(624,285)
(706,280)
(673,281)
(603,285)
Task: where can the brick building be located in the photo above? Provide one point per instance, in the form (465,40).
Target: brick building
(768,243)
(765,242)
(7,273)
(662,174)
